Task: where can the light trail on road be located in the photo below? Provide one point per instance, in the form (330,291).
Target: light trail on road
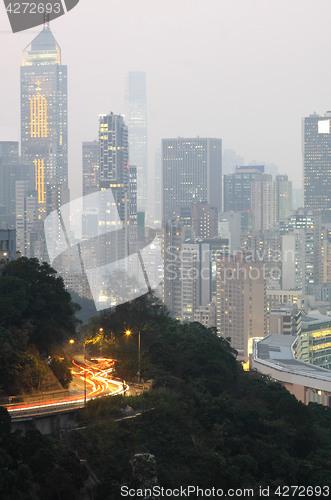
(98,377)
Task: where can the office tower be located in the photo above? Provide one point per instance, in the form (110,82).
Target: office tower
(283,197)
(137,126)
(90,167)
(195,278)
(8,152)
(230,161)
(310,222)
(115,174)
(316,135)
(173,235)
(158,188)
(297,199)
(264,247)
(133,221)
(237,192)
(26,217)
(191,173)
(56,196)
(229,226)
(9,174)
(263,204)
(241,302)
(204,220)
(218,246)
(44,125)
(293,260)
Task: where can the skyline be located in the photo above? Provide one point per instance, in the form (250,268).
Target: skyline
(249,86)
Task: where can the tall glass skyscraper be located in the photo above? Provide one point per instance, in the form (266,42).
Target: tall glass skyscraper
(317,162)
(191,173)
(44,123)
(137,126)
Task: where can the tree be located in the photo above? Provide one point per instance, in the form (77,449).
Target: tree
(47,304)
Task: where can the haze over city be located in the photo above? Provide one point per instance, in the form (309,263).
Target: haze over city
(244,71)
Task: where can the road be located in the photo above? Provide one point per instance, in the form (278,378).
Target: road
(99,382)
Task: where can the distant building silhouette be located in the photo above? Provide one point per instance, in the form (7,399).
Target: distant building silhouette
(137,127)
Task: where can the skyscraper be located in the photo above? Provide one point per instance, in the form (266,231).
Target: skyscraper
(137,126)
(115,174)
(90,167)
(284,196)
(191,173)
(317,162)
(44,127)
(238,192)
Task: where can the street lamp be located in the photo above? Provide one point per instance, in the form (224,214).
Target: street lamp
(84,343)
(128,332)
(100,333)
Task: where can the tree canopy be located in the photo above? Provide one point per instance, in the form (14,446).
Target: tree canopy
(36,313)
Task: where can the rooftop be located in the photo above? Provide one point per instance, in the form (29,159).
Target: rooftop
(274,356)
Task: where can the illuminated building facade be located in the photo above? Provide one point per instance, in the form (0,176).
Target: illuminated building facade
(314,344)
(44,129)
(137,128)
(115,174)
(191,173)
(90,167)
(316,135)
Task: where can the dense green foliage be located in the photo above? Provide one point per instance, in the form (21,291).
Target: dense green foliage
(36,314)
(62,371)
(207,422)
(36,467)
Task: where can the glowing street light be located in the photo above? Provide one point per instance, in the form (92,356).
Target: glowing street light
(128,333)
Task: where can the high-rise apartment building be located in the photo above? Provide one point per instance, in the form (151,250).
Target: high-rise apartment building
(173,236)
(44,122)
(191,173)
(137,126)
(283,197)
(316,136)
(90,167)
(263,204)
(204,220)
(157,191)
(26,217)
(195,278)
(241,302)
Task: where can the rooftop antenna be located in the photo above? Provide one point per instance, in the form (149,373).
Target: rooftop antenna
(46,20)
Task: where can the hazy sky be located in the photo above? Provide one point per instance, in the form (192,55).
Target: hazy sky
(246,71)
